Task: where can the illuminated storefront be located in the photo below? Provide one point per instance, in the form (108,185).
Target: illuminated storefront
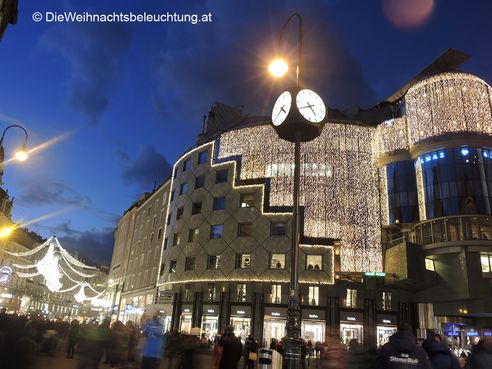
(185,319)
(313,325)
(241,320)
(274,323)
(351,326)
(386,327)
(210,320)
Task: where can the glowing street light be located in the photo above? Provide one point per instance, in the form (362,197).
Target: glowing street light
(20,155)
(7,231)
(278,67)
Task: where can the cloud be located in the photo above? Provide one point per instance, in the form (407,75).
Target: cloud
(47,192)
(93,52)
(147,169)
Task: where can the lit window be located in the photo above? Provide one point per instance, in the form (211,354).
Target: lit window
(193,235)
(429,264)
(196,208)
(485,260)
(176,239)
(216,231)
(202,157)
(213,262)
(277,261)
(351,298)
(278,228)
(247,200)
(245,229)
(314,262)
(187,292)
(211,291)
(186,164)
(386,300)
(179,213)
(172,266)
(221,176)
(199,182)
(182,188)
(313,295)
(243,261)
(219,203)
(189,263)
(276,293)
(241,292)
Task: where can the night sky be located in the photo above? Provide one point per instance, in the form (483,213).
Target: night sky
(123,100)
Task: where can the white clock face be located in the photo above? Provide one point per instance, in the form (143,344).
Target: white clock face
(311,106)
(281,108)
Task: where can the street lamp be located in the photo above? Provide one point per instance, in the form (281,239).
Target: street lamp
(297,116)
(20,154)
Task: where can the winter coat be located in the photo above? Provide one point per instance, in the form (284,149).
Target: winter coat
(440,356)
(402,352)
(231,353)
(154,343)
(481,357)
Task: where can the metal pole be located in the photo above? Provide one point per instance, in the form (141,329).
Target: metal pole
(299,44)
(293,341)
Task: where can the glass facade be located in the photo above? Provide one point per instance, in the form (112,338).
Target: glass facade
(457,181)
(402,192)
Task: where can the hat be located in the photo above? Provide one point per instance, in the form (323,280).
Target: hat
(229,328)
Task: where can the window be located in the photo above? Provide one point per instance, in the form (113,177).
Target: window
(151,238)
(245,229)
(176,239)
(165,243)
(172,266)
(213,262)
(199,182)
(153,221)
(429,264)
(313,295)
(277,261)
(182,189)
(202,157)
(172,196)
(241,292)
(216,231)
(169,218)
(189,263)
(386,300)
(186,165)
(193,234)
(247,200)
(212,292)
(187,295)
(221,176)
(196,208)
(159,233)
(149,209)
(351,298)
(219,203)
(314,262)
(179,213)
(276,293)
(278,228)
(161,217)
(243,261)
(485,260)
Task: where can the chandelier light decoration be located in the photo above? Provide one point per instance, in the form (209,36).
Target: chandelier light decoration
(54,266)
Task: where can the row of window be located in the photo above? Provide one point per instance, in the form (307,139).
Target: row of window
(202,159)
(221,176)
(243,261)
(216,230)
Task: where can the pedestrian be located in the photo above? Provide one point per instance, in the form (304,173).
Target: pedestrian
(232,349)
(250,352)
(439,354)
(73,335)
(481,355)
(118,344)
(132,334)
(153,349)
(310,349)
(402,351)
(462,359)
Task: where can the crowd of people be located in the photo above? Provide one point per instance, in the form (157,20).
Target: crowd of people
(147,347)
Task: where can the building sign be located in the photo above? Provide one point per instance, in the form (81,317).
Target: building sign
(375,274)
(453,333)
(488,334)
(313,314)
(472,334)
(386,319)
(5,274)
(210,310)
(276,312)
(241,311)
(186,310)
(351,317)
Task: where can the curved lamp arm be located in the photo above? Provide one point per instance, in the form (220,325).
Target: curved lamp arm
(299,44)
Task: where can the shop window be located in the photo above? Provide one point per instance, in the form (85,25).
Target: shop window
(276,293)
(314,262)
(219,203)
(277,261)
(190,263)
(221,176)
(243,261)
(245,230)
(179,213)
(176,239)
(212,292)
(216,231)
(202,157)
(486,261)
(172,266)
(313,295)
(196,208)
(241,292)
(187,294)
(193,234)
(278,228)
(213,262)
(429,264)
(199,182)
(351,298)
(182,189)
(386,301)
(247,200)
(186,165)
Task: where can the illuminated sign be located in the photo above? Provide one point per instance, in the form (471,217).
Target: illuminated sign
(241,312)
(6,295)
(387,321)
(211,311)
(313,316)
(487,334)
(128,307)
(186,310)
(472,334)
(453,333)
(351,318)
(5,273)
(432,156)
(274,313)
(375,274)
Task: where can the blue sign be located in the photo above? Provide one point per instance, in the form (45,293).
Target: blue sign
(487,334)
(454,334)
(472,334)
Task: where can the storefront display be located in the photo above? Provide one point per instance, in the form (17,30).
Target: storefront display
(351,327)
(241,321)
(313,325)
(210,320)
(274,324)
(386,327)
(185,320)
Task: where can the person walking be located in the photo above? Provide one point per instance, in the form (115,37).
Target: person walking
(250,352)
(439,354)
(154,345)
(232,349)
(481,355)
(402,352)
(73,335)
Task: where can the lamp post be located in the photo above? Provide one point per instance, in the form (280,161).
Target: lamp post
(297,116)
(20,155)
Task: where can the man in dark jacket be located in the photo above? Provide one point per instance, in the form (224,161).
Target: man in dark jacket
(402,352)
(440,355)
(481,356)
(232,349)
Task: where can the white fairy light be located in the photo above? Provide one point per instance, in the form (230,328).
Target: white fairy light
(80,296)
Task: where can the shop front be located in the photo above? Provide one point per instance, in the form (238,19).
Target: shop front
(351,326)
(274,320)
(241,321)
(185,319)
(386,327)
(313,325)
(210,321)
